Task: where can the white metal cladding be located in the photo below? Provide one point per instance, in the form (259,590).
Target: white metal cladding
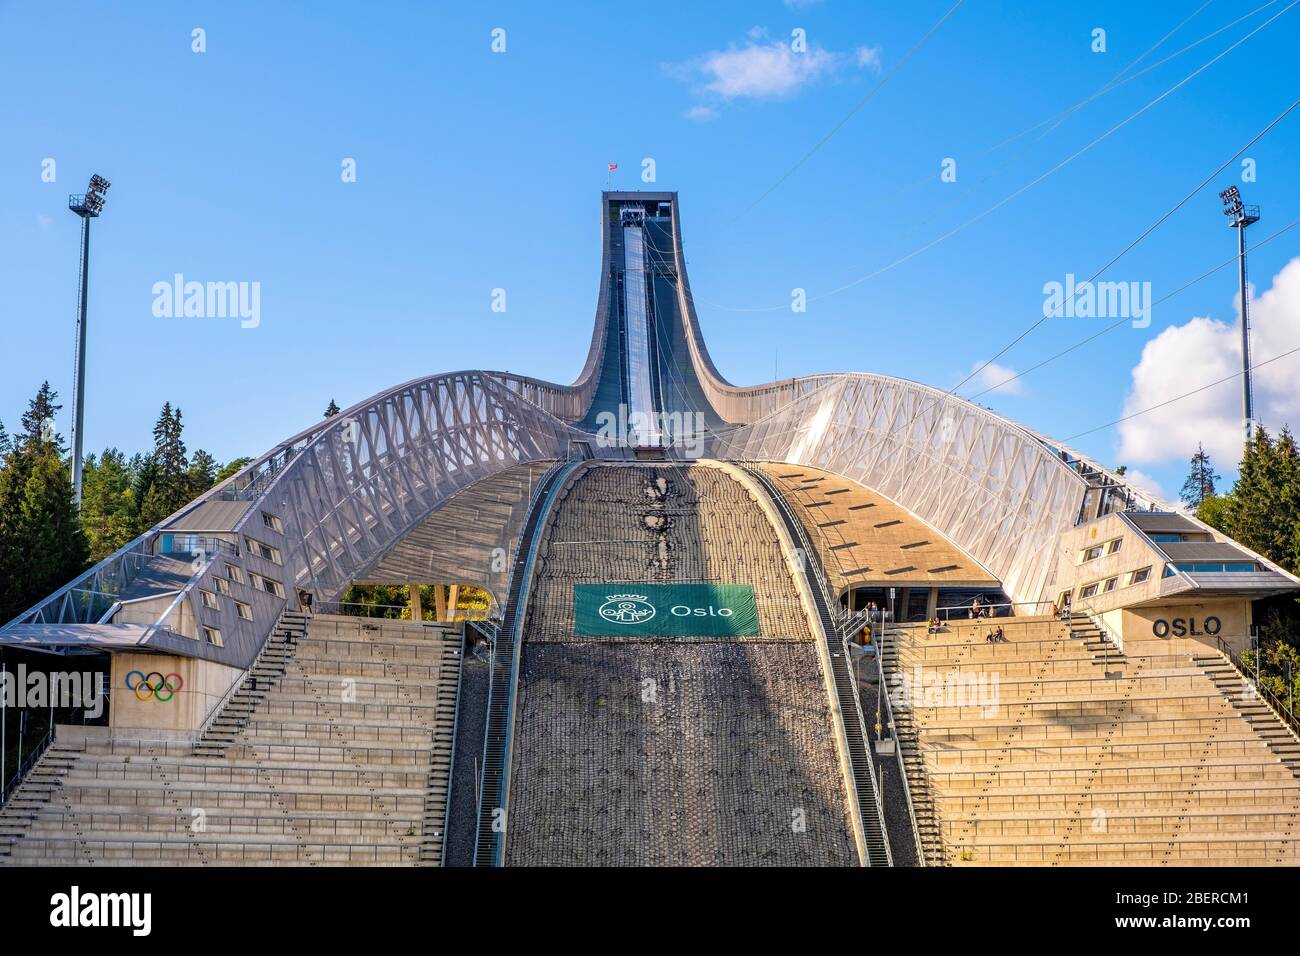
(344,492)
(348,488)
(990,486)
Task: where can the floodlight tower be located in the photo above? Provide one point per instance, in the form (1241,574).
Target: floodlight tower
(88,207)
(1239,217)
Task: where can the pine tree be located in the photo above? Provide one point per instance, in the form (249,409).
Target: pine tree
(202,473)
(41,542)
(50,528)
(164,483)
(332,410)
(107,507)
(38,422)
(6,446)
(1200,482)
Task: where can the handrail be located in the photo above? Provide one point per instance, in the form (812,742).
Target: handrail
(547,486)
(11,786)
(898,754)
(451,763)
(236,685)
(1271,700)
(839,619)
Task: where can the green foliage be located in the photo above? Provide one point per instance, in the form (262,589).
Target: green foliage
(378,600)
(108,512)
(1263,509)
(42,545)
(202,473)
(230,468)
(1200,481)
(332,409)
(38,423)
(1263,512)
(44,542)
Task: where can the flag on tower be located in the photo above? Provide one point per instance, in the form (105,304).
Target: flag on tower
(613,166)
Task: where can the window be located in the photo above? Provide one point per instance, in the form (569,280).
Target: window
(212,636)
(1111,584)
(1137,577)
(210,600)
(244,610)
(1212,567)
(273,522)
(264,551)
(1114,546)
(1088,591)
(1166,537)
(222,585)
(1092,554)
(267,585)
(235,573)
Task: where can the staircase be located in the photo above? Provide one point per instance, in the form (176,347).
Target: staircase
(1241,693)
(335,751)
(1075,753)
(42,782)
(266,671)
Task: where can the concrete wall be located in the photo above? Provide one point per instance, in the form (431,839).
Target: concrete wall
(1135,553)
(205,684)
(1227,620)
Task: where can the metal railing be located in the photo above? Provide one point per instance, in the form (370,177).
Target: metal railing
(898,754)
(25,765)
(242,853)
(838,619)
(180,543)
(498,733)
(215,711)
(1283,712)
(381,612)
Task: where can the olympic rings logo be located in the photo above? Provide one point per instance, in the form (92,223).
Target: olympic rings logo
(154,685)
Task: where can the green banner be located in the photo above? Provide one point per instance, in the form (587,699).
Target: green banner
(664,610)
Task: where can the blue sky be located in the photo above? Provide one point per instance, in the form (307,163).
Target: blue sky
(479,170)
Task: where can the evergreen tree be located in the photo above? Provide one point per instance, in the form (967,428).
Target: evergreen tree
(38,421)
(163,486)
(1200,482)
(107,504)
(332,410)
(50,529)
(202,473)
(6,446)
(41,541)
(230,468)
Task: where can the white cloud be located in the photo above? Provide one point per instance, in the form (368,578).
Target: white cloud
(868,58)
(1185,357)
(768,69)
(764,71)
(992,376)
(701,113)
(1143,482)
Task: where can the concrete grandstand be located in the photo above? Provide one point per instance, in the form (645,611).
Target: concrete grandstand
(679,669)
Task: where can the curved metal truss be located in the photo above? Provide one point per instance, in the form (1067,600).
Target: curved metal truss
(341,493)
(992,487)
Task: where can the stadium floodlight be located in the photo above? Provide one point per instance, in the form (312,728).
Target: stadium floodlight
(1231,202)
(1239,217)
(88,206)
